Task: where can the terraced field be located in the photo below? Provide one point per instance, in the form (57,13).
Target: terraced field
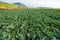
(30,24)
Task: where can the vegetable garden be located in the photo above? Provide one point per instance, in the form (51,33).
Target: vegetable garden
(30,24)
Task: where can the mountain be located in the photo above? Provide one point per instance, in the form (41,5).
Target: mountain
(19,4)
(4,5)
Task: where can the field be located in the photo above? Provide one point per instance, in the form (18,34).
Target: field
(30,24)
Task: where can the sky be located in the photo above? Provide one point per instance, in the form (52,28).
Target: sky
(37,3)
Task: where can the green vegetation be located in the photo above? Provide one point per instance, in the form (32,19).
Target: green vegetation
(4,5)
(30,24)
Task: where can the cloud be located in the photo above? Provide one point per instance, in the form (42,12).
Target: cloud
(37,3)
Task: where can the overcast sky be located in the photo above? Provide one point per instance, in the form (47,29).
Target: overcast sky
(37,3)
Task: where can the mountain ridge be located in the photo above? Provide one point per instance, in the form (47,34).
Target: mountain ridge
(19,4)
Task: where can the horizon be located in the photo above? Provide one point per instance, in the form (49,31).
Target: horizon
(37,3)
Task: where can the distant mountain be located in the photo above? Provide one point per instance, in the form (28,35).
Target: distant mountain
(19,4)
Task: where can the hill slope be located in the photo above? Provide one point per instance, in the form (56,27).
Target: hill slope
(7,6)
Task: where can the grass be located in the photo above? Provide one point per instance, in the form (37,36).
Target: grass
(36,24)
(7,6)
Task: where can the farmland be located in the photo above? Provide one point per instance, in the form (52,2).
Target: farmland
(30,24)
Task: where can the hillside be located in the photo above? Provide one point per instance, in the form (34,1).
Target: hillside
(4,5)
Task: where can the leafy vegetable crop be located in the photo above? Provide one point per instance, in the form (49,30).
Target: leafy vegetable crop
(30,24)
